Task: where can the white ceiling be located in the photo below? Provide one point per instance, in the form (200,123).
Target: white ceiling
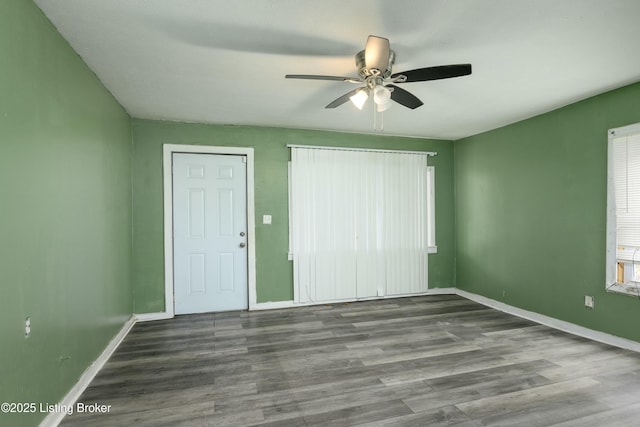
(224,61)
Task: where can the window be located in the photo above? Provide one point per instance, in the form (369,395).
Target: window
(623,210)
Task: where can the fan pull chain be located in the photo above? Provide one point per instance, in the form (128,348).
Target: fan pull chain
(375,119)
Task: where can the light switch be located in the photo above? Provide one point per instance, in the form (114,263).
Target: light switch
(266,219)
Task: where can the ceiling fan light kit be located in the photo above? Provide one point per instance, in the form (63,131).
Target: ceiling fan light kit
(375,71)
(382,97)
(359,98)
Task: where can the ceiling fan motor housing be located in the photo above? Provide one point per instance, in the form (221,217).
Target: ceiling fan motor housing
(365,72)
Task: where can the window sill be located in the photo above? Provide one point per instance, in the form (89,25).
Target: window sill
(624,289)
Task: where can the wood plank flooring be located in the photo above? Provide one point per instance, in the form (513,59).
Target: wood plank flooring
(436,360)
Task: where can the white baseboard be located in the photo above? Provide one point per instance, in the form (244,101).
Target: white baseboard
(441,291)
(54,418)
(272,305)
(149,317)
(552,322)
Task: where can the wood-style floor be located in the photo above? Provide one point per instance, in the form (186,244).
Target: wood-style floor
(436,360)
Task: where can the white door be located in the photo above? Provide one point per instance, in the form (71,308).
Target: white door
(209,232)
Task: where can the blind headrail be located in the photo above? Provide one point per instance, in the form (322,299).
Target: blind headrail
(322,147)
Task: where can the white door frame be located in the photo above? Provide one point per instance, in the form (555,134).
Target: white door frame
(167,155)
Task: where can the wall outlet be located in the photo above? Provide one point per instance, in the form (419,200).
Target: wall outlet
(27,327)
(266,219)
(588,301)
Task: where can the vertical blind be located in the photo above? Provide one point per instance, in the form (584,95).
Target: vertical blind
(358,223)
(626,162)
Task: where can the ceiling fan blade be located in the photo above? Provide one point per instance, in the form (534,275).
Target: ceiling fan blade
(435,73)
(344,98)
(315,77)
(376,53)
(405,98)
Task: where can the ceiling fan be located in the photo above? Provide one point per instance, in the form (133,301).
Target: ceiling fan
(375,65)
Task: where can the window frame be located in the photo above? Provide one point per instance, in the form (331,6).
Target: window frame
(630,287)
(431,213)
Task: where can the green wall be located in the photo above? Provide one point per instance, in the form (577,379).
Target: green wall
(273,271)
(531,213)
(65,212)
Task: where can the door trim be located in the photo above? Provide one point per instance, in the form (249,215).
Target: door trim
(167,154)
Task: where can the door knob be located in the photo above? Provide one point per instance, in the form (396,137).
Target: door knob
(242,234)
(243,244)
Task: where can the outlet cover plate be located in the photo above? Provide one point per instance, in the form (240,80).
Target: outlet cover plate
(588,301)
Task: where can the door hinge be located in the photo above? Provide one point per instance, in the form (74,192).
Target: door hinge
(244,159)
